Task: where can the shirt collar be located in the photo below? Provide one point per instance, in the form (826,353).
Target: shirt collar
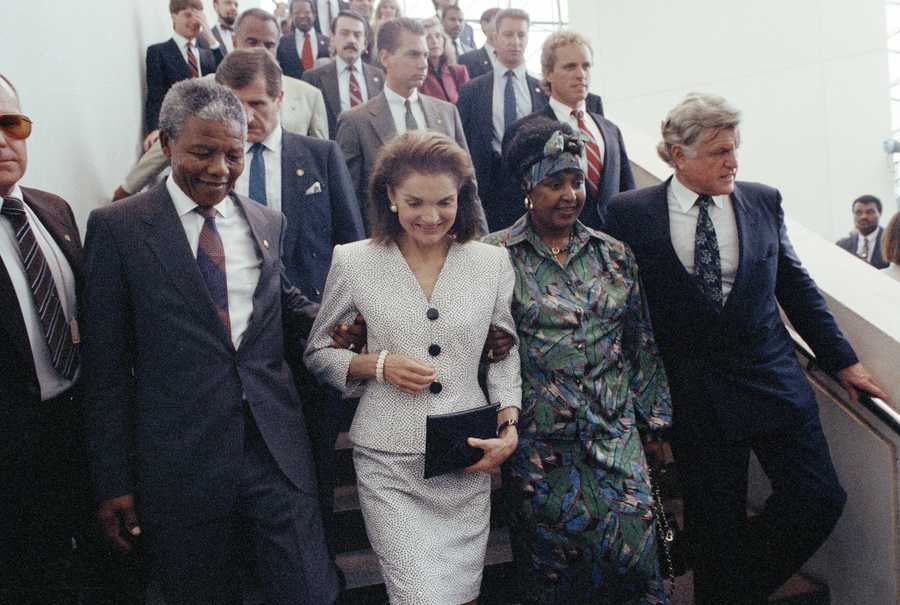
(181,41)
(271,142)
(686,197)
(394,99)
(300,36)
(871,237)
(500,71)
(185,205)
(561,108)
(342,65)
(521,231)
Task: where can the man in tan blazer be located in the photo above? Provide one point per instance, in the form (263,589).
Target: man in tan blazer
(365,129)
(302,111)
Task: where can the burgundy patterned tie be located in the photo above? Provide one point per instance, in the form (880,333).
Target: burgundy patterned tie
(211,260)
(592,153)
(63,353)
(192,62)
(355,92)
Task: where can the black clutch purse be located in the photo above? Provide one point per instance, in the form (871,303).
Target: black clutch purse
(446,449)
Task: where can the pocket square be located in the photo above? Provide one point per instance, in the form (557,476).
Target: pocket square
(314,188)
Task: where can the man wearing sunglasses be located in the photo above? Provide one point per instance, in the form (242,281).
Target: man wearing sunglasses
(41,462)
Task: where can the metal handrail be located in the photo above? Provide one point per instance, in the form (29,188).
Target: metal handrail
(879,408)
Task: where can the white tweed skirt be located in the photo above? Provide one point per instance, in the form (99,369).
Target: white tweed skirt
(430,535)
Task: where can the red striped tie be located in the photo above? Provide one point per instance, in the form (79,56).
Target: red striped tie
(355,92)
(306,57)
(63,354)
(592,152)
(192,62)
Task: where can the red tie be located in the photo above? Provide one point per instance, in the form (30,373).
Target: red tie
(355,92)
(306,57)
(592,152)
(192,62)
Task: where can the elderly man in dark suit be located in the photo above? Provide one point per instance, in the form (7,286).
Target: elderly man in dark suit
(42,466)
(716,263)
(307,180)
(489,105)
(340,81)
(364,130)
(196,434)
(299,50)
(566,60)
(191,52)
(866,242)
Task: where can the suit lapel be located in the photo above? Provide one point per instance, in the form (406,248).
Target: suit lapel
(12,324)
(433,119)
(374,85)
(297,175)
(174,58)
(330,89)
(168,241)
(382,121)
(269,252)
(61,230)
(746,219)
(538,98)
(217,34)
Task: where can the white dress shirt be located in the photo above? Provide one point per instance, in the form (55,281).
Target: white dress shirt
(300,37)
(861,244)
(272,158)
(683,213)
(50,380)
(181,41)
(227,38)
(523,98)
(344,81)
(242,259)
(326,10)
(397,105)
(564,114)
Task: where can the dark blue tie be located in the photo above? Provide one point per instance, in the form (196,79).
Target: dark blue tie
(509,101)
(707,263)
(258,174)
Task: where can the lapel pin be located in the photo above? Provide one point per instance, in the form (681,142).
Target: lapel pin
(375,78)
(66,237)
(266,244)
(300,172)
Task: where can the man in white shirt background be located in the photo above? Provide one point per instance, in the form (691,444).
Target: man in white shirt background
(865,243)
(223,31)
(482,60)
(299,50)
(452,19)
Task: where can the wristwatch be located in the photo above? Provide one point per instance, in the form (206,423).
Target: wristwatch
(505,425)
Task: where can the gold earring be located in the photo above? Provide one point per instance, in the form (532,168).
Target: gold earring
(528,204)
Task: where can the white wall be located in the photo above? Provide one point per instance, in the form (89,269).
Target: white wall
(811,77)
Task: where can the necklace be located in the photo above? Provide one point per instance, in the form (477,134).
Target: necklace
(557,250)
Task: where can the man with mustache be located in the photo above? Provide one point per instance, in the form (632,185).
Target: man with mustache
(223,31)
(348,81)
(302,110)
(717,267)
(364,130)
(195,430)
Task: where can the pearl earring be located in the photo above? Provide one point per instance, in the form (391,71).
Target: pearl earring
(528,204)
(393,209)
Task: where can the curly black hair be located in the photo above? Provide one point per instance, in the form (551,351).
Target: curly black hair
(524,144)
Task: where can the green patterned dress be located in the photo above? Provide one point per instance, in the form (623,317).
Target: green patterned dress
(578,498)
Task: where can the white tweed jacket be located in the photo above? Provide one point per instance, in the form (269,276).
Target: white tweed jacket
(473,291)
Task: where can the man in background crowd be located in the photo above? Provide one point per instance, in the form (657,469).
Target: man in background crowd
(865,243)
(452,20)
(223,31)
(299,50)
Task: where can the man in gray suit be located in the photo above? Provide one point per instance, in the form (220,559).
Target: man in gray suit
(303,109)
(364,130)
(338,80)
(195,430)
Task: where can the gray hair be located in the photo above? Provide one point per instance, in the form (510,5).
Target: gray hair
(202,98)
(687,121)
(7,87)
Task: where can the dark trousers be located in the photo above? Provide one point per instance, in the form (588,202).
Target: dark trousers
(740,560)
(278,524)
(46,500)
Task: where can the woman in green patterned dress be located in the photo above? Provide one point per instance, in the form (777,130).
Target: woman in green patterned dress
(593,389)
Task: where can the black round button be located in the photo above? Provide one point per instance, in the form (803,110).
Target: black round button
(432,314)
(436,387)
(434,350)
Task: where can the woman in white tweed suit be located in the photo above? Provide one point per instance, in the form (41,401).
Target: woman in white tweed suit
(428,294)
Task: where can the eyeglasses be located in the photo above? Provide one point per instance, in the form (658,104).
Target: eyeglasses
(15,125)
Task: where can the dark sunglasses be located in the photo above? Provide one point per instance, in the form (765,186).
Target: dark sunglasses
(15,125)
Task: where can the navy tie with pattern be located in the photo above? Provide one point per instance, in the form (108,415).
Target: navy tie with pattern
(211,260)
(509,101)
(707,262)
(63,353)
(257,190)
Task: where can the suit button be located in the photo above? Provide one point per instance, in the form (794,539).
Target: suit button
(434,350)
(436,387)
(432,314)
(315,255)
